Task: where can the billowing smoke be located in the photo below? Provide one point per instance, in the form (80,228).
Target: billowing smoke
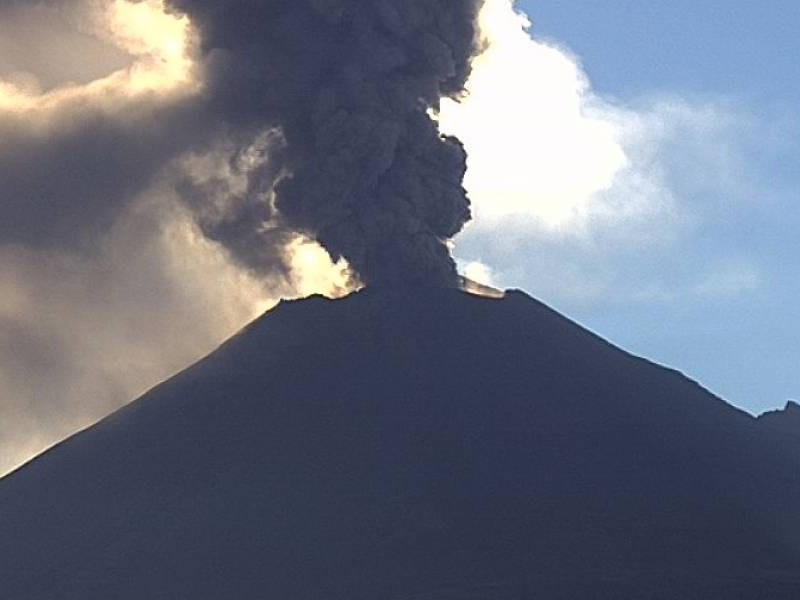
(147,157)
(355,160)
(325,108)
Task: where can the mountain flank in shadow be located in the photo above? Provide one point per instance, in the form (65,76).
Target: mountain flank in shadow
(785,425)
(787,419)
(411,444)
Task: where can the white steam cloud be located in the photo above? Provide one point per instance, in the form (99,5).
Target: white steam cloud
(577,197)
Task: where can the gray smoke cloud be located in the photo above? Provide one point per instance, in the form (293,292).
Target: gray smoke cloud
(66,181)
(84,333)
(361,166)
(355,159)
(155,200)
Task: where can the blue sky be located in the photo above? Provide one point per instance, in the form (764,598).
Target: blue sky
(731,48)
(707,285)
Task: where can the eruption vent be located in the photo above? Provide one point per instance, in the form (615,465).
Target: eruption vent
(350,85)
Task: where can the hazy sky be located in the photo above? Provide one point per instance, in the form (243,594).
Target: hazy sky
(633,164)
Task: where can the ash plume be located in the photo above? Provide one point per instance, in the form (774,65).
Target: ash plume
(243,123)
(350,84)
(325,108)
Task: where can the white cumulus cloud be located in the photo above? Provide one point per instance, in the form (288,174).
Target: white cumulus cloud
(581,198)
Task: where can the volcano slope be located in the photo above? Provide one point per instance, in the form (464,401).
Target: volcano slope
(416,444)
(785,424)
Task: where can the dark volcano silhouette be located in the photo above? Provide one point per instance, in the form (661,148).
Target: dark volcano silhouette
(785,425)
(410,444)
(787,420)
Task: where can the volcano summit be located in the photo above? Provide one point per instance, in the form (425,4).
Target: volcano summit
(425,444)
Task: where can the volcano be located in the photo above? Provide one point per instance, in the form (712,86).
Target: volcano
(784,423)
(424,444)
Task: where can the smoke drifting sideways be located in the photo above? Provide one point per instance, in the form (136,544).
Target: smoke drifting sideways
(344,88)
(343,93)
(173,183)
